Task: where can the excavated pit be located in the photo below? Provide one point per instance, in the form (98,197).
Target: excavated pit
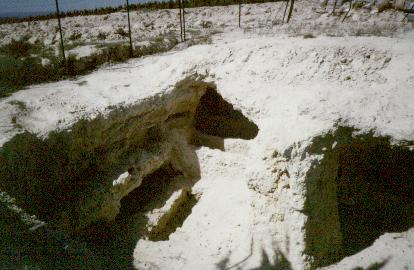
(103,175)
(375,193)
(362,188)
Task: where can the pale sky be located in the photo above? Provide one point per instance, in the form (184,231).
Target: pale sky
(8,6)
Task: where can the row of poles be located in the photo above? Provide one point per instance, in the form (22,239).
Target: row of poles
(62,47)
(181,5)
(292,2)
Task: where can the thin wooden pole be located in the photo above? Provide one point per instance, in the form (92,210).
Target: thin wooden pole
(184,19)
(284,13)
(290,10)
(350,7)
(60,31)
(181,21)
(131,52)
(334,7)
(239,13)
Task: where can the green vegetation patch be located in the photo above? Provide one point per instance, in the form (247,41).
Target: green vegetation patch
(20,48)
(16,73)
(19,67)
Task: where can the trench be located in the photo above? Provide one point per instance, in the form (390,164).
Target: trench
(375,193)
(362,188)
(152,144)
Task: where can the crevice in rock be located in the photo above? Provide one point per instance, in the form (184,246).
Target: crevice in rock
(361,188)
(155,188)
(174,218)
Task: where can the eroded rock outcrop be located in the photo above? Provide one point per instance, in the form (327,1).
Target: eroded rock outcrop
(110,156)
(192,114)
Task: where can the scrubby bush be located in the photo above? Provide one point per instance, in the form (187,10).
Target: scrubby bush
(157,45)
(17,48)
(17,72)
(116,53)
(120,31)
(372,30)
(75,36)
(21,105)
(308,35)
(102,35)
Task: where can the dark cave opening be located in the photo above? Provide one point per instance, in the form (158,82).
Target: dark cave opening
(153,186)
(217,117)
(375,192)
